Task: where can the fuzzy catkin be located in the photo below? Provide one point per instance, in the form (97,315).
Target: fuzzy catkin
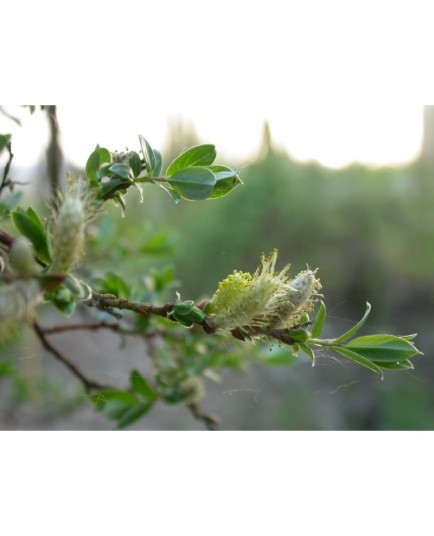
(68,236)
(17,301)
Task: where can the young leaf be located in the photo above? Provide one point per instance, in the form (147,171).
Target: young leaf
(99,156)
(121,170)
(133,413)
(383,348)
(135,163)
(63,299)
(141,386)
(308,350)
(226,180)
(193,183)
(108,189)
(148,155)
(401,365)
(355,328)
(357,358)
(174,195)
(29,225)
(200,155)
(319,321)
(158,163)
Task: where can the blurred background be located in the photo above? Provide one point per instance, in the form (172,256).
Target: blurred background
(348,189)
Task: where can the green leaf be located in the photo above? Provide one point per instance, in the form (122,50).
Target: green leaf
(401,365)
(108,189)
(4,140)
(355,328)
(308,350)
(183,308)
(29,225)
(354,356)
(133,413)
(148,155)
(383,348)
(121,170)
(319,321)
(158,163)
(63,299)
(200,155)
(101,398)
(99,156)
(158,244)
(135,163)
(193,183)
(141,386)
(226,180)
(174,195)
(112,284)
(163,277)
(79,289)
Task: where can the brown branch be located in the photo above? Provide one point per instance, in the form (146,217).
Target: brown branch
(6,239)
(108,302)
(89,385)
(210,421)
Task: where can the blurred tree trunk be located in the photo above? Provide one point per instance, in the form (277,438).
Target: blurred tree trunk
(54,152)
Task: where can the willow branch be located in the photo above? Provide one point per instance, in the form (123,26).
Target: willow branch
(109,302)
(210,421)
(89,385)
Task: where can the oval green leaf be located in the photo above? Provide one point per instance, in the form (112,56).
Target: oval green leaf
(199,155)
(94,162)
(383,348)
(360,359)
(193,183)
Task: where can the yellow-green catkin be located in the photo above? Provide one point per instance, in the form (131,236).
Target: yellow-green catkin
(17,301)
(266,299)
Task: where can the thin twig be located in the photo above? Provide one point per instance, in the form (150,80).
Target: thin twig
(210,421)
(108,302)
(5,182)
(89,385)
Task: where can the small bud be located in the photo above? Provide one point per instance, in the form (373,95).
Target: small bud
(192,390)
(21,257)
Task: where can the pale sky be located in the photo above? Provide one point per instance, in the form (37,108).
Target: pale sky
(337,81)
(332,133)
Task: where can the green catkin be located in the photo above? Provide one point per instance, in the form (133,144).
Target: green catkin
(68,235)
